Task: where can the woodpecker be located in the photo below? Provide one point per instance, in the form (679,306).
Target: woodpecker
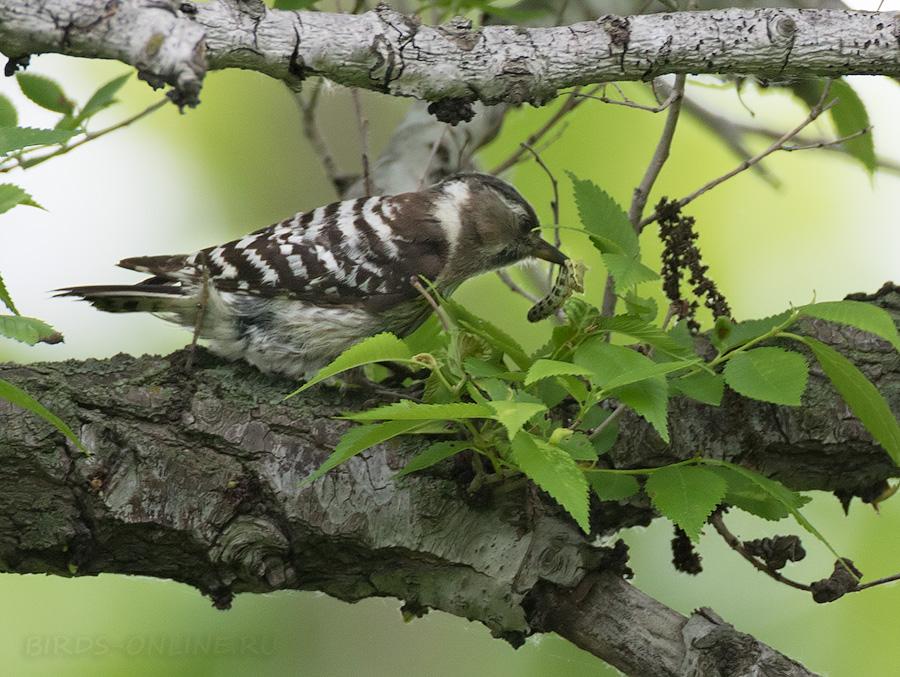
(293,296)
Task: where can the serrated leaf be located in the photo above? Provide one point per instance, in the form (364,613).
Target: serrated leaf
(495,336)
(612,364)
(791,500)
(742,332)
(650,371)
(604,220)
(856,314)
(703,387)
(384,347)
(17,138)
(861,395)
(5,297)
(687,495)
(18,396)
(769,375)
(850,116)
(513,415)
(8,115)
(645,332)
(548,368)
(45,92)
(358,439)
(25,329)
(627,271)
(554,471)
(432,455)
(579,447)
(612,486)
(11,195)
(751,497)
(103,97)
(413,411)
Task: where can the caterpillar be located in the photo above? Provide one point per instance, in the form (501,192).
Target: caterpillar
(570,279)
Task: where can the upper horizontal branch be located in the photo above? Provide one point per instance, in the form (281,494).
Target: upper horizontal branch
(178,42)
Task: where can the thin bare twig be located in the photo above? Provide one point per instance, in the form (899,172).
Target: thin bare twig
(434,304)
(554,205)
(609,419)
(432,155)
(511,283)
(570,104)
(628,103)
(826,144)
(363,140)
(26,163)
(817,110)
(642,192)
(314,136)
(735,544)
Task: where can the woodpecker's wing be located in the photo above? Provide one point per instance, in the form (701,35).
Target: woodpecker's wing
(359,252)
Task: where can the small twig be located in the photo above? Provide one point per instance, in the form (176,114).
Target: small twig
(434,304)
(363,140)
(554,204)
(735,544)
(628,103)
(314,136)
(432,155)
(880,581)
(826,144)
(27,163)
(642,192)
(814,113)
(202,303)
(609,419)
(511,283)
(570,104)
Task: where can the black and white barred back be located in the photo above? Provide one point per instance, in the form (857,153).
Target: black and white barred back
(291,297)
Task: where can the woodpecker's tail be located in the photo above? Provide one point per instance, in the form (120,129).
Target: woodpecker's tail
(150,296)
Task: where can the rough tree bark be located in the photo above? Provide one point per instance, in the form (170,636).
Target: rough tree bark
(176,43)
(196,479)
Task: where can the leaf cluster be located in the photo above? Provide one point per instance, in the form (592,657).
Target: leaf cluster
(551,415)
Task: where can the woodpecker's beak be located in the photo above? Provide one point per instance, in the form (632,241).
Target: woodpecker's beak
(545,250)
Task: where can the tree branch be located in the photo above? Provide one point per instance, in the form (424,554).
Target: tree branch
(176,43)
(197,479)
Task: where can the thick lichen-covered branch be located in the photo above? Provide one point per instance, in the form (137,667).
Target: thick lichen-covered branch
(176,43)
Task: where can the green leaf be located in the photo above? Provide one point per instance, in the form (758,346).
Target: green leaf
(45,92)
(5,297)
(513,415)
(554,471)
(579,447)
(8,115)
(703,387)
(612,364)
(604,220)
(412,411)
(645,332)
(547,368)
(25,329)
(17,396)
(612,486)
(11,195)
(742,332)
(751,497)
(768,374)
(17,138)
(857,314)
(863,398)
(103,97)
(650,371)
(850,116)
(627,271)
(436,453)
(360,438)
(498,338)
(791,501)
(687,495)
(383,347)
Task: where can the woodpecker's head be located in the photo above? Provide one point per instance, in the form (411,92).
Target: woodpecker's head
(488,225)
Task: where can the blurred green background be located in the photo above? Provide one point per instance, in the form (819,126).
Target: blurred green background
(174,183)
